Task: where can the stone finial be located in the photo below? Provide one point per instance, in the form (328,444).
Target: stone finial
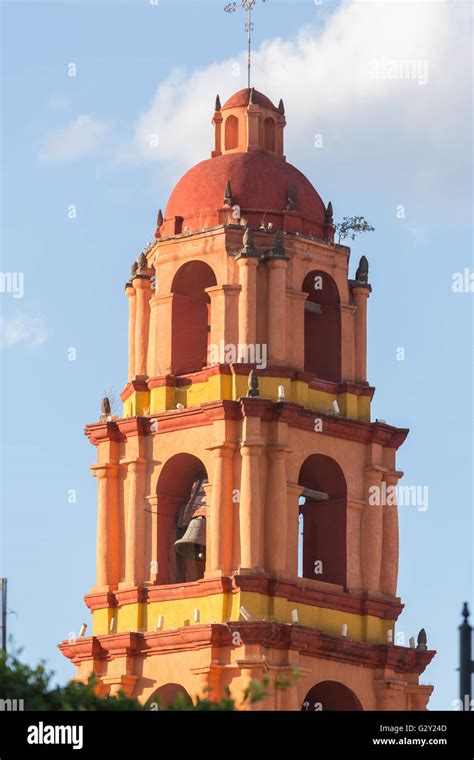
(278,249)
(159,218)
(228,197)
(421,642)
(281,107)
(329,213)
(142,262)
(253,97)
(134,269)
(253,387)
(105,407)
(248,243)
(465,612)
(218,106)
(362,273)
(291,204)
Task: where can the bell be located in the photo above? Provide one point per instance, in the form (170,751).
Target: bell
(193,544)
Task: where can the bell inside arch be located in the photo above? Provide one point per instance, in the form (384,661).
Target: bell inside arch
(192,545)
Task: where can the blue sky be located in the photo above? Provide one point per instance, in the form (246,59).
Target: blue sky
(387,143)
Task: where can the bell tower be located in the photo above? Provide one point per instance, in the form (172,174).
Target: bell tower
(243,529)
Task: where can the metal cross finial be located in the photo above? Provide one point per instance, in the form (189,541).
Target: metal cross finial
(247,5)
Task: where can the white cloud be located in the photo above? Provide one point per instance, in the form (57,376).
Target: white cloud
(82,137)
(22,329)
(337,80)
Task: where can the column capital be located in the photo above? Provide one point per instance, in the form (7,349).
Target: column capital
(277,262)
(137,464)
(392,477)
(374,472)
(224,449)
(277,451)
(248,261)
(104,470)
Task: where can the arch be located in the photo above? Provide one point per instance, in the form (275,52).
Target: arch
(167,694)
(191,317)
(331,696)
(324,520)
(231,132)
(322,326)
(175,489)
(269,133)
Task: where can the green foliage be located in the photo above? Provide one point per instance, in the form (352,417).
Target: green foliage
(352,226)
(33,686)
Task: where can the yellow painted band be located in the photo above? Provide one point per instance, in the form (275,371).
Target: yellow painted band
(233,387)
(220,608)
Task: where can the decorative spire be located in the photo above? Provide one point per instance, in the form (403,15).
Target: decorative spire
(159,218)
(329,213)
(281,107)
(105,409)
(422,640)
(142,262)
(253,97)
(218,104)
(465,612)
(362,273)
(228,197)
(254,390)
(278,249)
(248,243)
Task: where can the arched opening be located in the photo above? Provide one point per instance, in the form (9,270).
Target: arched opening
(191,317)
(167,695)
(181,509)
(269,133)
(231,132)
(322,327)
(331,696)
(322,540)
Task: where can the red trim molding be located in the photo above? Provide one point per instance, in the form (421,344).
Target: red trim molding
(283,636)
(351,602)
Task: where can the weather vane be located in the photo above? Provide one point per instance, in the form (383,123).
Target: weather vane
(247,5)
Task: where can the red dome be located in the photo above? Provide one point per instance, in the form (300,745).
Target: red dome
(259,183)
(242,98)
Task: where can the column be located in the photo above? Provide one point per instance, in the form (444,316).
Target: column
(220,515)
(371,529)
(251,559)
(389,572)
(355,508)
(360,295)
(276,511)
(347,341)
(135,534)
(107,526)
(142,285)
(217,122)
(132,310)
(276,311)
(154,339)
(295,327)
(162,315)
(248,300)
(224,317)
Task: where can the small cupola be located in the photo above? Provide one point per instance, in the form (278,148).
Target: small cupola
(248,122)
